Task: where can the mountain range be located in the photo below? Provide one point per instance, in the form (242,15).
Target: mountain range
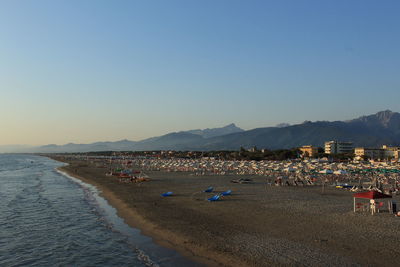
(369,131)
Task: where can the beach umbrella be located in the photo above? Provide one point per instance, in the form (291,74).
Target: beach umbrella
(289,169)
(339,172)
(326,171)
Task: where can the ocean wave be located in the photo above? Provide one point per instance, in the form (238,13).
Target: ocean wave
(52,219)
(92,196)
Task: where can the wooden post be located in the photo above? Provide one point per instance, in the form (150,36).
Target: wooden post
(354,206)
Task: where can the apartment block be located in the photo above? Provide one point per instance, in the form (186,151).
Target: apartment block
(335,147)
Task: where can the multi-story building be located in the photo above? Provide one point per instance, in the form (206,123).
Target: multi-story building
(391,152)
(335,147)
(309,151)
(370,153)
(252,149)
(383,153)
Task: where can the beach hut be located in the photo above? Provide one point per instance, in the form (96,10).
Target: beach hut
(376,200)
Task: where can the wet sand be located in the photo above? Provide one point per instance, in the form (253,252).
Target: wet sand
(258,225)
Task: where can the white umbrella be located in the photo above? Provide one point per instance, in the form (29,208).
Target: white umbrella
(289,169)
(339,172)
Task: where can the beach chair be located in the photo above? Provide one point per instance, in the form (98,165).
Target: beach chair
(209,190)
(226,193)
(214,198)
(166,194)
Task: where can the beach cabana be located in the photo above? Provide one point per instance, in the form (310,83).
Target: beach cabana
(376,200)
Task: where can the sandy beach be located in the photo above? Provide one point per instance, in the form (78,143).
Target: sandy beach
(257,225)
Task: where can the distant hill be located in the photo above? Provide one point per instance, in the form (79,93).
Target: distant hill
(15,148)
(184,140)
(282,125)
(98,146)
(370,131)
(387,121)
(207,133)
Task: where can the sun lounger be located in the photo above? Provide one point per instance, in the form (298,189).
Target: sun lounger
(242,181)
(167,194)
(226,193)
(209,190)
(214,198)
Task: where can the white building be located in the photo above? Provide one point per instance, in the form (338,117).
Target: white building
(391,152)
(383,153)
(335,147)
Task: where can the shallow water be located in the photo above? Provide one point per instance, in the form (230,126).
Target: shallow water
(50,219)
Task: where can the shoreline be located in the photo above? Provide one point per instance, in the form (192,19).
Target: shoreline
(258,225)
(159,236)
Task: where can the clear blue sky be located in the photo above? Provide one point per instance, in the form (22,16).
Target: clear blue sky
(85,71)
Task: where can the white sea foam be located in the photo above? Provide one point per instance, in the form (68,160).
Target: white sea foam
(109,215)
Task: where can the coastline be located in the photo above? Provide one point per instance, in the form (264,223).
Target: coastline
(160,236)
(258,225)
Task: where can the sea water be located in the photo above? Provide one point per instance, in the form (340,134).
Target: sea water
(50,219)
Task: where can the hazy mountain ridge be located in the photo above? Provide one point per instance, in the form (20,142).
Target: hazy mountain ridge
(387,119)
(179,140)
(214,132)
(370,131)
